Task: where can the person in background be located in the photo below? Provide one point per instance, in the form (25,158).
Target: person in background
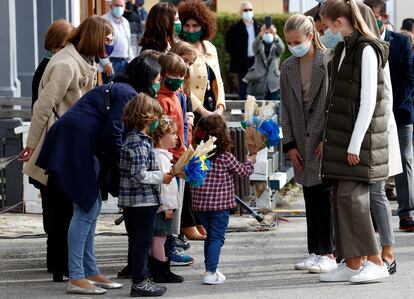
(122,49)
(55,39)
(70,73)
(136,25)
(401,61)
(407,28)
(239,44)
(263,78)
(159,32)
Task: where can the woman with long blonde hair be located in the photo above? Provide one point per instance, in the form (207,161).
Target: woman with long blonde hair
(355,151)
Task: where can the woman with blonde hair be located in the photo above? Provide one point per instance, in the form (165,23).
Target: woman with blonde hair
(355,151)
(68,76)
(303,100)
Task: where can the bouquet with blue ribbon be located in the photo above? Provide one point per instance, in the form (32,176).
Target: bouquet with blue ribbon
(194,164)
(260,125)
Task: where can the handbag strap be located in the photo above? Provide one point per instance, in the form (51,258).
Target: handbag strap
(108,96)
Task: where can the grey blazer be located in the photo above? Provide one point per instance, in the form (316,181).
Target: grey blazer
(264,75)
(297,133)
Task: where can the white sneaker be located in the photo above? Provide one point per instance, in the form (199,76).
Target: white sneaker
(307,262)
(323,265)
(214,278)
(342,273)
(370,273)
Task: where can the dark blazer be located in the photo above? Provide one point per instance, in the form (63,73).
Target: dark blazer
(37,77)
(236,45)
(402,76)
(72,145)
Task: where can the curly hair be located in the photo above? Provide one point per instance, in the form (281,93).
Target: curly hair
(141,109)
(166,125)
(213,125)
(198,11)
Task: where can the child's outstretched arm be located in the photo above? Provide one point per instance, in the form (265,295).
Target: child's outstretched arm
(242,169)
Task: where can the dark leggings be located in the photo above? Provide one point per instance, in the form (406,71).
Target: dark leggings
(318,218)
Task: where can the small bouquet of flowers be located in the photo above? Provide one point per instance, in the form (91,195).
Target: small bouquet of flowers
(194,164)
(260,126)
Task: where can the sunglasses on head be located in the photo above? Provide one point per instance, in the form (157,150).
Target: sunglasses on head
(247,9)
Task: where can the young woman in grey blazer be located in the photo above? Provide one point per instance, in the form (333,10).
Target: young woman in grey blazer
(303,93)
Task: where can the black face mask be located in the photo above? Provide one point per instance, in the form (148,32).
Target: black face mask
(129,6)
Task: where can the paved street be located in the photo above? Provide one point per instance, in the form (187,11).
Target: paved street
(257,265)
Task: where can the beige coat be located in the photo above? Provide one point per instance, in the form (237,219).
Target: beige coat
(198,76)
(66,79)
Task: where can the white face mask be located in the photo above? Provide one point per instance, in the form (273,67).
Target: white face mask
(248,15)
(268,38)
(320,1)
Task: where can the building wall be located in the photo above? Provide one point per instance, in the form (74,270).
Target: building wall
(231,6)
(402,9)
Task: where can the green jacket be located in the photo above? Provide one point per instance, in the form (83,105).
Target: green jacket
(342,111)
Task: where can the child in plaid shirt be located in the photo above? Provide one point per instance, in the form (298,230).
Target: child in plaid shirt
(139,193)
(213,200)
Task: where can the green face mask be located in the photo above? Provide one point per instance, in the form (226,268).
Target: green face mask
(380,24)
(178,27)
(192,37)
(153,126)
(173,84)
(155,89)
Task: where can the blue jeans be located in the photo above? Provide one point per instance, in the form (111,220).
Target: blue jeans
(404,182)
(215,224)
(81,235)
(119,66)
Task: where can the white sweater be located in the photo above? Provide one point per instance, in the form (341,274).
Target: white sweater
(369,82)
(170,198)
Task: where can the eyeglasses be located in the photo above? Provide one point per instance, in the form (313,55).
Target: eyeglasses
(247,9)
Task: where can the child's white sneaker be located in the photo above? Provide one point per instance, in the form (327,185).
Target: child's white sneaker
(307,262)
(214,278)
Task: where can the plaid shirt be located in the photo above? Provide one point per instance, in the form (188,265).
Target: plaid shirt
(137,163)
(217,193)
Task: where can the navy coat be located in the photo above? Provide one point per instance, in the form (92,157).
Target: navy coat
(402,77)
(72,145)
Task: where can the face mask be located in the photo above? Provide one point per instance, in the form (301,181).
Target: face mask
(178,27)
(153,126)
(268,38)
(109,49)
(380,23)
(192,37)
(117,11)
(139,2)
(173,84)
(300,50)
(330,40)
(155,89)
(129,6)
(247,15)
(320,1)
